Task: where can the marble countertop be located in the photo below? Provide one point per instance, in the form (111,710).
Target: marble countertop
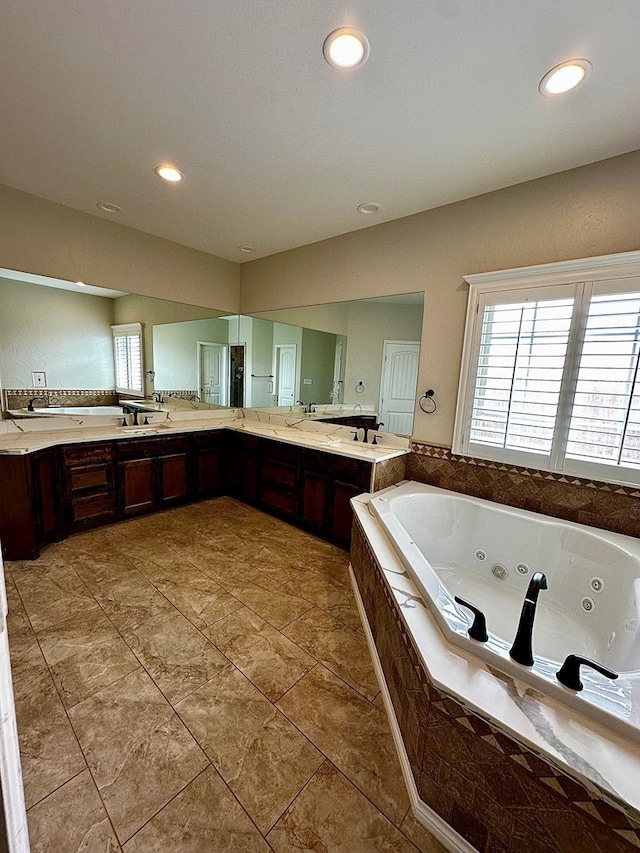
(600,758)
(22,437)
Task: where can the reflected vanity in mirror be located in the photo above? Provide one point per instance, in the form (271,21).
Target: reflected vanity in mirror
(353,356)
(359,356)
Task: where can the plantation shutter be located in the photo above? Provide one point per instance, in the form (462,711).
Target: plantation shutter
(127,355)
(605,420)
(521,357)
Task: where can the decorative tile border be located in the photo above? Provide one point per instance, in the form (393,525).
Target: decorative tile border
(605,505)
(184,394)
(13,398)
(495,792)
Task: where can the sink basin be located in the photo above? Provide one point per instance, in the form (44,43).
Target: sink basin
(133,430)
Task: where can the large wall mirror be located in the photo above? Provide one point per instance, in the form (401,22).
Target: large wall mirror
(363,352)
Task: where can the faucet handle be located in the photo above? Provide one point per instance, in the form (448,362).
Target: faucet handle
(569,672)
(478,630)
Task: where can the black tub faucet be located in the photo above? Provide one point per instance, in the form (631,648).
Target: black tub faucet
(32,401)
(521,650)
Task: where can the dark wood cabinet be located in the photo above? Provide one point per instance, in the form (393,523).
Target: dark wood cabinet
(87,485)
(152,473)
(356,421)
(327,484)
(210,451)
(44,475)
(29,504)
(137,487)
(49,494)
(312,499)
(279,477)
(243,467)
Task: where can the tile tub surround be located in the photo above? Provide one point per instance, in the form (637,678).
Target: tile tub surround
(485,775)
(167,673)
(609,506)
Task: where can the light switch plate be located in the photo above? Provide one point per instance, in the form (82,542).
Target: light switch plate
(38,379)
(307,381)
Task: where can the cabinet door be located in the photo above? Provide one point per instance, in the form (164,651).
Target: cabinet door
(341,514)
(173,478)
(314,488)
(137,486)
(209,480)
(249,478)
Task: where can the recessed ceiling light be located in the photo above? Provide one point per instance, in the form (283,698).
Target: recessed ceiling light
(169,173)
(108,207)
(346,48)
(368,207)
(564,77)
(246,249)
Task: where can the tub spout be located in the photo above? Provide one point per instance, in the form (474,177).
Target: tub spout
(521,650)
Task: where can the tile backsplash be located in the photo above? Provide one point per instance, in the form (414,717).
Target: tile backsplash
(605,505)
(13,398)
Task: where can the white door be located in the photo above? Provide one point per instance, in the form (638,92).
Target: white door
(213,373)
(398,385)
(10,771)
(285,374)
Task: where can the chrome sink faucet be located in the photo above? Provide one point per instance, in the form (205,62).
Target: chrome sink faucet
(521,650)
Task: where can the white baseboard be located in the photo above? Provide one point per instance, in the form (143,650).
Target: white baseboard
(430,819)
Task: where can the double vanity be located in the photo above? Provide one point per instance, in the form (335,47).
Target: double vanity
(63,475)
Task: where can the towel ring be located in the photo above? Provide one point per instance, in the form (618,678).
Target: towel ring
(428,397)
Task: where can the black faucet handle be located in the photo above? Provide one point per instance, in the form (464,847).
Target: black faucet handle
(478,629)
(569,672)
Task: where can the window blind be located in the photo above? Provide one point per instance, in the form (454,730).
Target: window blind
(127,356)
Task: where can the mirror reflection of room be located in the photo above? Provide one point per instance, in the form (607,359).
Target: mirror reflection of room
(360,355)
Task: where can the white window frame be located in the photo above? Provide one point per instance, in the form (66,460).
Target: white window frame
(569,278)
(129,330)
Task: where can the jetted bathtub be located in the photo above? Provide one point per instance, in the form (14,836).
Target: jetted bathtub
(486,553)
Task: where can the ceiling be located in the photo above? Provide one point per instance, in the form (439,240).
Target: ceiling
(278,148)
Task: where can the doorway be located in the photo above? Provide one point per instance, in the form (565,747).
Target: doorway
(398,385)
(285,374)
(213,386)
(236,376)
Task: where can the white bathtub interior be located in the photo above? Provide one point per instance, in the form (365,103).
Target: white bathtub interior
(487,553)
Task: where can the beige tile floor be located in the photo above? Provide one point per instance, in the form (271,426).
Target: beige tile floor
(197,681)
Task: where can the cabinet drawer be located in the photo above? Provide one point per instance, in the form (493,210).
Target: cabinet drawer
(78,454)
(91,509)
(79,479)
(276,472)
(148,448)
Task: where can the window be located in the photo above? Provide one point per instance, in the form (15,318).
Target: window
(127,358)
(551,369)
